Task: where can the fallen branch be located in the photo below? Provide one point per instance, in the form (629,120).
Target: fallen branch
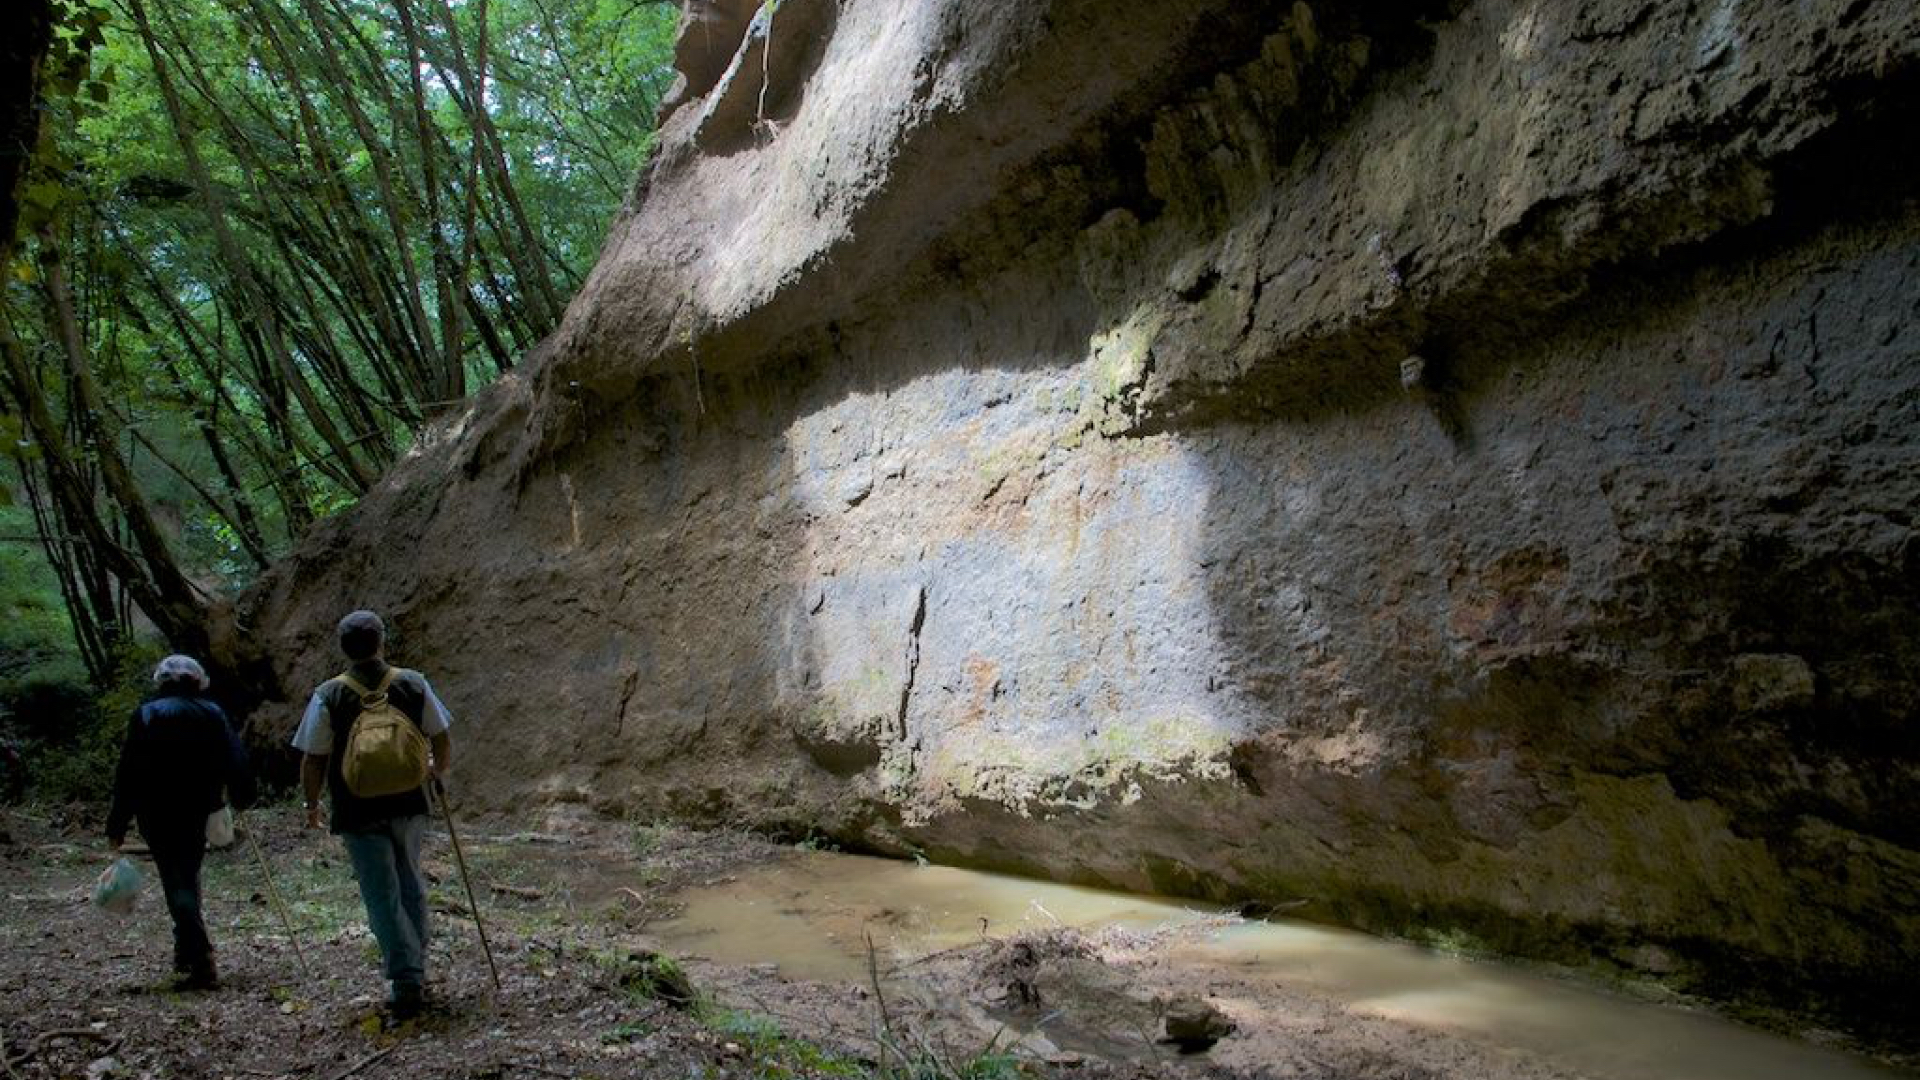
(880,999)
(522,891)
(73,897)
(364,1062)
(41,1040)
(295,1071)
(960,948)
(541,1069)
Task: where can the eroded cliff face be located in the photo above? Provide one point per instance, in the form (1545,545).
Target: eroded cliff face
(1448,468)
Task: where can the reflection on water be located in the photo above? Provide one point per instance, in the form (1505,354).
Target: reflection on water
(1577,1027)
(813,916)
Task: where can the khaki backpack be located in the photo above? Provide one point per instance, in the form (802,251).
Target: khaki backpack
(386,753)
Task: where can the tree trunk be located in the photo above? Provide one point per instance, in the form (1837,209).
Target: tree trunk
(175,605)
(92,641)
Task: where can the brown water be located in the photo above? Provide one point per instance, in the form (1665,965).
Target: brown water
(812,916)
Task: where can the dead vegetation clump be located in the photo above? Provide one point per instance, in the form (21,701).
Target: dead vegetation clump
(1008,971)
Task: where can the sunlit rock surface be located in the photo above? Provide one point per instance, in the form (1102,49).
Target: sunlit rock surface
(1447,467)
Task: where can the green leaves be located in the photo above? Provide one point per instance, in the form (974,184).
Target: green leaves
(301,115)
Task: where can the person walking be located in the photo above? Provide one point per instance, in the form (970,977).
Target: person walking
(180,754)
(381,833)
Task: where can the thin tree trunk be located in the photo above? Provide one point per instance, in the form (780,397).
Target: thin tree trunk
(249,540)
(174,609)
(176,606)
(271,461)
(88,636)
(360,477)
(472,100)
(394,207)
(497,349)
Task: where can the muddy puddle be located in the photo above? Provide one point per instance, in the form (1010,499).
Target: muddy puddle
(813,914)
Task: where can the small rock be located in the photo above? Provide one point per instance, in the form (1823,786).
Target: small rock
(1194,1025)
(1651,959)
(855,489)
(1763,682)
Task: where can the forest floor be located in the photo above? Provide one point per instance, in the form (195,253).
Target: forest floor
(90,995)
(572,907)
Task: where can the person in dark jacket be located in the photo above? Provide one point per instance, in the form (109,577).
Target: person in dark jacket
(180,755)
(382,834)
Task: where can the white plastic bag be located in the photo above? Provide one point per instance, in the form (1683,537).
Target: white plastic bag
(220,828)
(118,887)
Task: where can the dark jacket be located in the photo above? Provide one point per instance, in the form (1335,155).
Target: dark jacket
(407,692)
(180,754)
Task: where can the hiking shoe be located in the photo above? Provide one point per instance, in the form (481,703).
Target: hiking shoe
(409,1000)
(200,976)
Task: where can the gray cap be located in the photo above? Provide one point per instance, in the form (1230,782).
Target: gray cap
(180,669)
(361,622)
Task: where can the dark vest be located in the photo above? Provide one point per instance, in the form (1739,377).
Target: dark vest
(351,813)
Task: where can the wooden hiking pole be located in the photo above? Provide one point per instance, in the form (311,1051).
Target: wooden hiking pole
(279,905)
(460,858)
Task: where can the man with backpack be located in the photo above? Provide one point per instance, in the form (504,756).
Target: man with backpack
(366,735)
(179,754)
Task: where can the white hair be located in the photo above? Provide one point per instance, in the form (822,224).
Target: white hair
(180,669)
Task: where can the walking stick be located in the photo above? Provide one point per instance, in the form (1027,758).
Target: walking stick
(460,857)
(279,905)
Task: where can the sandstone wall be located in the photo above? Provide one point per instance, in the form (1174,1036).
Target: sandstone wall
(1447,468)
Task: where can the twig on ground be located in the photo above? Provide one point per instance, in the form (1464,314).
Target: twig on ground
(802,1022)
(541,1069)
(521,891)
(962,947)
(879,995)
(364,1062)
(41,1040)
(295,1071)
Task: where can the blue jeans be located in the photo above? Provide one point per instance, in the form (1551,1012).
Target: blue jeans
(386,860)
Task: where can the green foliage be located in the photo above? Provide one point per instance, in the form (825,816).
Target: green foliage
(579,84)
(44,689)
(281,273)
(649,976)
(772,1054)
(647,837)
(71,755)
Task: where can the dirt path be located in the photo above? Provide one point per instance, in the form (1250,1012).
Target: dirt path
(105,981)
(87,995)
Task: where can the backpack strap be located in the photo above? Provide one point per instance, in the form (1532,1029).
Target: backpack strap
(364,693)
